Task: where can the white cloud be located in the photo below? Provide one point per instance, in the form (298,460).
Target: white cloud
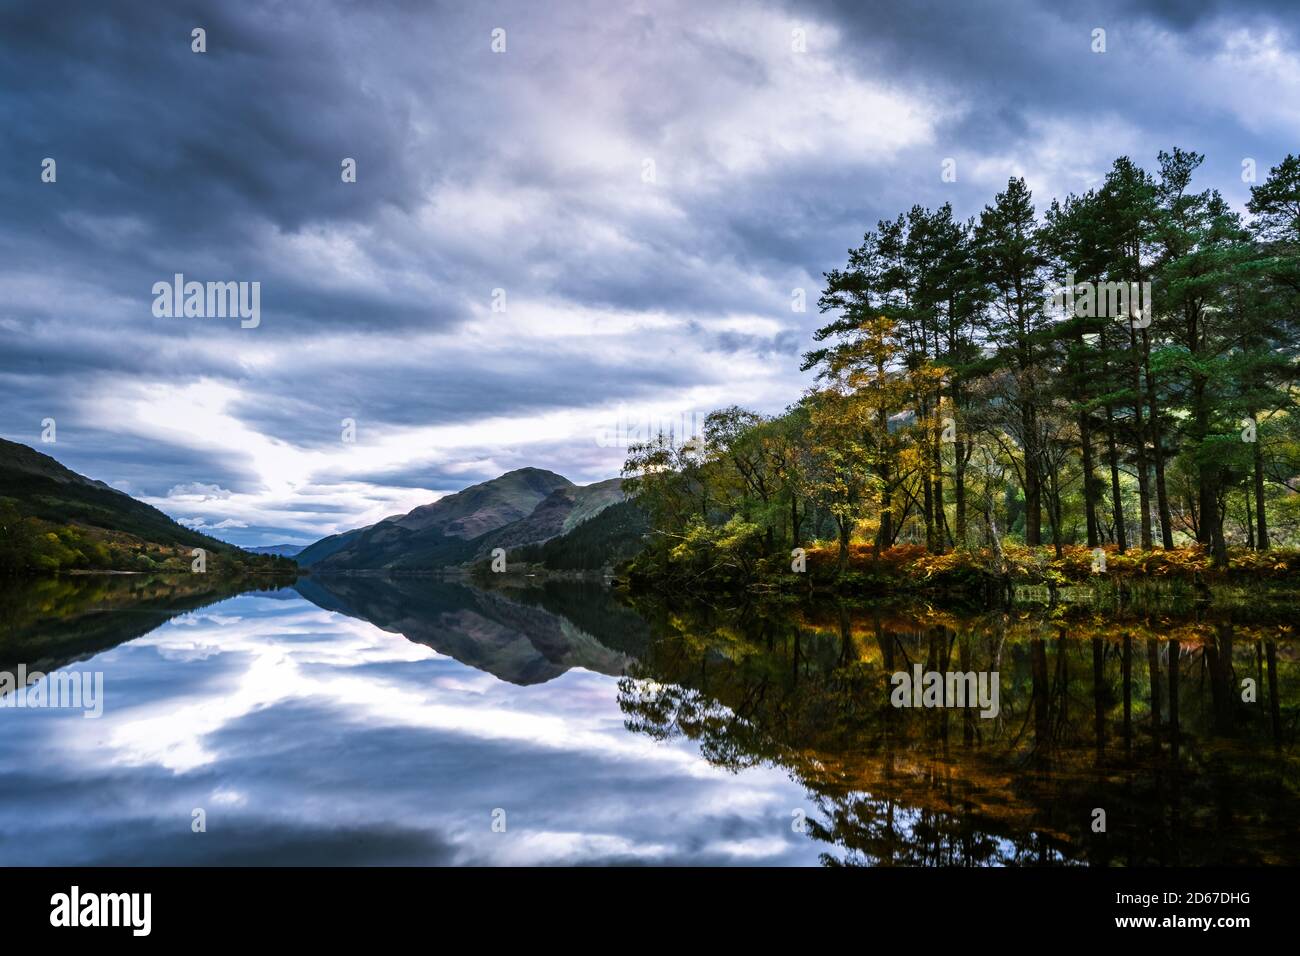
(197,491)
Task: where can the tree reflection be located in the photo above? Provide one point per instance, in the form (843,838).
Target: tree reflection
(1187,773)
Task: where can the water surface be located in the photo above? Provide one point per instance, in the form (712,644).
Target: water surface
(360,720)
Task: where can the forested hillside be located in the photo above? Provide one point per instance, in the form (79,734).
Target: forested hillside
(53,519)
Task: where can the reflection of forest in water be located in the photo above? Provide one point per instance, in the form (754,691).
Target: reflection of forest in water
(47,623)
(1142,717)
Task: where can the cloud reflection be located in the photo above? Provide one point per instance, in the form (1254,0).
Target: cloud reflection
(310,737)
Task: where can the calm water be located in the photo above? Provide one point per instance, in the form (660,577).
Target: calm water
(375,721)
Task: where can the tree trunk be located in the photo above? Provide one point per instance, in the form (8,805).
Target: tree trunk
(1218,545)
(1250,525)
(1117,502)
(940,518)
(1153,678)
(885,536)
(1157,450)
(1261,520)
(1089,481)
(1210,528)
(1274,707)
(959,490)
(1033,484)
(1140,450)
(927,505)
(1054,509)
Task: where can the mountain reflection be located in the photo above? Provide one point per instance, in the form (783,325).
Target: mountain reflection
(525,636)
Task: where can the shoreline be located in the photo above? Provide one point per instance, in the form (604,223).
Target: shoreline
(971,573)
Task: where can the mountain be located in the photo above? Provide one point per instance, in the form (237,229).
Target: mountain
(484,507)
(55,519)
(561,511)
(520,507)
(42,488)
(612,536)
(281,550)
(591,500)
(60,520)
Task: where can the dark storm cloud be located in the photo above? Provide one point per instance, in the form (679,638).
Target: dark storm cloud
(1026,69)
(289,403)
(148,468)
(253,128)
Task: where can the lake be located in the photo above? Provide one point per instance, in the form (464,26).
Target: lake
(371,720)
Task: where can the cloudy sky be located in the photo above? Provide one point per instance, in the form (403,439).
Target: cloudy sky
(545,248)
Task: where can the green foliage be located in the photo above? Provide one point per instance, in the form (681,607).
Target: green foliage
(958,409)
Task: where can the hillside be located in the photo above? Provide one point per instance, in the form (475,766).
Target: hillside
(55,519)
(562,511)
(42,488)
(519,508)
(485,507)
(440,533)
(590,500)
(612,536)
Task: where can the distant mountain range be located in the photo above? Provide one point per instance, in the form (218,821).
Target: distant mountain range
(523,507)
(280,550)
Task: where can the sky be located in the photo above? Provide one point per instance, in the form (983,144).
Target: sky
(571,223)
